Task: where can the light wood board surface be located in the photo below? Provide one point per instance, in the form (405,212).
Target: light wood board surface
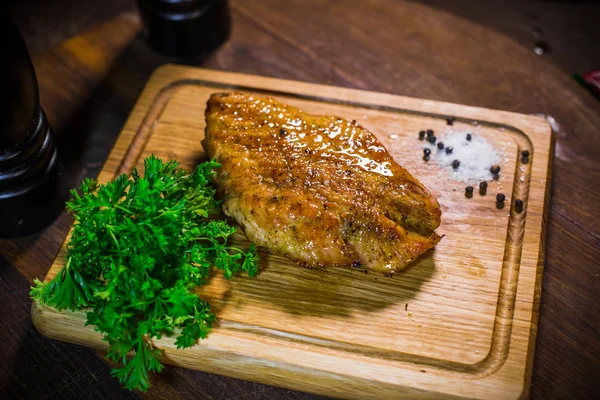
(459,322)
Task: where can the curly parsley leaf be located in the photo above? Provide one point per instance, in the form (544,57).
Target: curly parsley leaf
(139,247)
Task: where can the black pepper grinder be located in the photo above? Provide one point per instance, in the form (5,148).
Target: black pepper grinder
(185,28)
(31,196)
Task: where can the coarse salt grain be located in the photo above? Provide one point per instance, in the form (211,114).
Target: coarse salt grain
(476,156)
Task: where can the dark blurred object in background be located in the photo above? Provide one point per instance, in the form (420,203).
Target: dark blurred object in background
(591,81)
(185,28)
(30,192)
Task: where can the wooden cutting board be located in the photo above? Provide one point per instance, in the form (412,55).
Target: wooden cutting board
(460,322)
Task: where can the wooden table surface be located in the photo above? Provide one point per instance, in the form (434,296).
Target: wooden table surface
(89,83)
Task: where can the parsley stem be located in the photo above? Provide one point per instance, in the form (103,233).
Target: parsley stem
(112,235)
(124,209)
(63,271)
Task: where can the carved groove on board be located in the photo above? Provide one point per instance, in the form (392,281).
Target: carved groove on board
(137,145)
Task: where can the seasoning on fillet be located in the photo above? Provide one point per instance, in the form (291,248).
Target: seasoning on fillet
(379,215)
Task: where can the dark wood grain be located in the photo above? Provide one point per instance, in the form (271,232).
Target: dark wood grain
(34,367)
(436,51)
(46,24)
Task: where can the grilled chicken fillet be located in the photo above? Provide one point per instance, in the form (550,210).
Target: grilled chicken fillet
(318,189)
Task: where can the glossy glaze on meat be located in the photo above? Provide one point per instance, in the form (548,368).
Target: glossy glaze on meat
(318,189)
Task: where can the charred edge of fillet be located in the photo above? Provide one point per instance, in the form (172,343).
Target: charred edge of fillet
(353,229)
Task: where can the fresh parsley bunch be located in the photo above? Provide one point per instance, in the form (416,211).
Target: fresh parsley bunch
(139,247)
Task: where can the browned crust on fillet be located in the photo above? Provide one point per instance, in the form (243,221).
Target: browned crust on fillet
(318,189)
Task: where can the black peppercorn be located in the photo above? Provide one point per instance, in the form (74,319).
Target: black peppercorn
(421,135)
(525,153)
(431,139)
(425,158)
(500,197)
(519,205)
(494,169)
(469,137)
(426,151)
(282,132)
(483,188)
(450,121)
(429,132)
(449,150)
(469,191)
(440,145)
(495,177)
(455,164)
